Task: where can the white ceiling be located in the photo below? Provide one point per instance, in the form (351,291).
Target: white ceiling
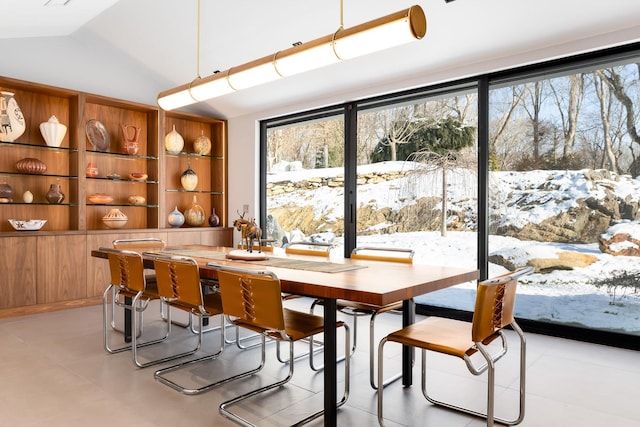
(134,49)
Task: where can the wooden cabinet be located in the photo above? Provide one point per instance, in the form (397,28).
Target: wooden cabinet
(142,182)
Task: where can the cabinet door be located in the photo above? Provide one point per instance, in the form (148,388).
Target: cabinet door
(18,269)
(61,268)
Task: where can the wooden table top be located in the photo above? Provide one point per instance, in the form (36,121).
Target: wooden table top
(373,282)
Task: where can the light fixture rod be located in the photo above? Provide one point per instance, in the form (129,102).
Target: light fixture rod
(379,34)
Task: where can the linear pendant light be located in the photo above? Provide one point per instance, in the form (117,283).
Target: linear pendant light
(372,36)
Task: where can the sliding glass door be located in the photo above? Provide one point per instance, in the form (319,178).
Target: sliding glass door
(564,194)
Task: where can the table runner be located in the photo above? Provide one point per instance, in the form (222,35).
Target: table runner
(295,264)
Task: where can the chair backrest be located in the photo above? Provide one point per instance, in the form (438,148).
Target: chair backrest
(126,268)
(495,300)
(309,248)
(400,255)
(252,296)
(178,279)
(146,243)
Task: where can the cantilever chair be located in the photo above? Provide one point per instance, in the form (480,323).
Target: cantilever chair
(180,287)
(357,309)
(136,245)
(493,312)
(127,289)
(252,299)
(315,249)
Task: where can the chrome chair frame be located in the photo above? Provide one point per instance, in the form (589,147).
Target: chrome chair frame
(167,288)
(356,310)
(237,284)
(127,280)
(487,326)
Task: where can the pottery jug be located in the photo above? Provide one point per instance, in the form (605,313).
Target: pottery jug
(53,132)
(130,135)
(214,220)
(12,124)
(194,214)
(173,141)
(55,194)
(175,218)
(189,179)
(5,192)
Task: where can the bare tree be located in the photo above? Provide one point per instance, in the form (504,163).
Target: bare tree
(569,112)
(602,92)
(616,83)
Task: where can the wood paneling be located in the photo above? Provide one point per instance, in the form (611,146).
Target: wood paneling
(61,273)
(18,269)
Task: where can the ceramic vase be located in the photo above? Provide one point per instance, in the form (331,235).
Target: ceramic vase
(115,219)
(175,218)
(202,145)
(189,179)
(6,192)
(92,170)
(27,197)
(53,132)
(31,165)
(55,194)
(12,124)
(130,135)
(194,214)
(214,220)
(173,141)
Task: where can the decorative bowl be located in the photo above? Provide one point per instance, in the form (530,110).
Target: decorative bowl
(138,176)
(30,225)
(31,165)
(100,198)
(137,200)
(115,219)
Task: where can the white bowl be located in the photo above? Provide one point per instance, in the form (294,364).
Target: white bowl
(30,225)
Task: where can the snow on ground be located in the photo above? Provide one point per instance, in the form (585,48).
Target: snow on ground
(576,297)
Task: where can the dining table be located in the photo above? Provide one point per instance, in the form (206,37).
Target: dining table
(333,279)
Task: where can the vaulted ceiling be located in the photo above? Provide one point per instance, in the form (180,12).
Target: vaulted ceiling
(133,49)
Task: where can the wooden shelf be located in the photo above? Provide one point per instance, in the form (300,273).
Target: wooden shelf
(54,264)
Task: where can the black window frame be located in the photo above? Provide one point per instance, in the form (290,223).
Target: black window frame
(483,84)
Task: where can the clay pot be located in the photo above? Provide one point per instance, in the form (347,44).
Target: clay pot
(5,192)
(92,170)
(194,214)
(137,200)
(31,165)
(55,194)
(115,219)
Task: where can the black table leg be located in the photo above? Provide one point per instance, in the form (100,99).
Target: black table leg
(408,317)
(330,368)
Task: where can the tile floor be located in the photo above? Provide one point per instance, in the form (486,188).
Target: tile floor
(54,372)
